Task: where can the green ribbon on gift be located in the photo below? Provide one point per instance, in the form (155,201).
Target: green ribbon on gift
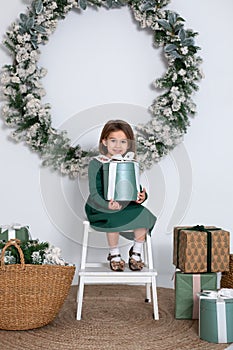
(199,228)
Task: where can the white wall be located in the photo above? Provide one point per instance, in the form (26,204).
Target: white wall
(100,65)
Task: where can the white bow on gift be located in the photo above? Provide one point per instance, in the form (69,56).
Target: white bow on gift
(223,293)
(129,156)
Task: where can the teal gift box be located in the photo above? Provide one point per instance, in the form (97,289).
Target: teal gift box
(216,317)
(121,180)
(187,286)
(8,232)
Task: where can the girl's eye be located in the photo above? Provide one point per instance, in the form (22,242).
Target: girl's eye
(114,141)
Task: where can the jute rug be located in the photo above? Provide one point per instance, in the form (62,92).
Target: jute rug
(114,318)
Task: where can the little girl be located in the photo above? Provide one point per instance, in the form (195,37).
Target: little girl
(113,217)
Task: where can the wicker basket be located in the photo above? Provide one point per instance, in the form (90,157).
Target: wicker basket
(227,277)
(31,295)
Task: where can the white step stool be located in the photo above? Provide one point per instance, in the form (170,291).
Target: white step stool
(100,273)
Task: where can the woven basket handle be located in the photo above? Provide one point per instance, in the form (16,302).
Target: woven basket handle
(15,243)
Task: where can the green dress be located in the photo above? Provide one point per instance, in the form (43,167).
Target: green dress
(130,217)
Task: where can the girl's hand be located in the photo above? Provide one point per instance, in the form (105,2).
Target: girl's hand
(141,196)
(113,205)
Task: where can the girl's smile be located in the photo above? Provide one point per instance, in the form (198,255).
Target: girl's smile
(116,143)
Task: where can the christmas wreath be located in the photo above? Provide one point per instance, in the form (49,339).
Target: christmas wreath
(22,90)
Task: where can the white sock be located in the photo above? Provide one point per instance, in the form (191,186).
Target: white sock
(115,251)
(137,248)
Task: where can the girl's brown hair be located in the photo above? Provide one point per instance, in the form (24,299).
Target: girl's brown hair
(116,125)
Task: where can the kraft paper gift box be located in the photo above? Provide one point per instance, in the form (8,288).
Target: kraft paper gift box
(227,276)
(186,288)
(8,232)
(121,180)
(216,316)
(201,249)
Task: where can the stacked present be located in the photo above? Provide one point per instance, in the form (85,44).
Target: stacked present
(187,286)
(199,253)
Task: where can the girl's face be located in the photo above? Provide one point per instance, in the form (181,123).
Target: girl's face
(116,143)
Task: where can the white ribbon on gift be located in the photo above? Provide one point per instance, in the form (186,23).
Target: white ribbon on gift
(111,184)
(11,230)
(220,296)
(129,157)
(221,320)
